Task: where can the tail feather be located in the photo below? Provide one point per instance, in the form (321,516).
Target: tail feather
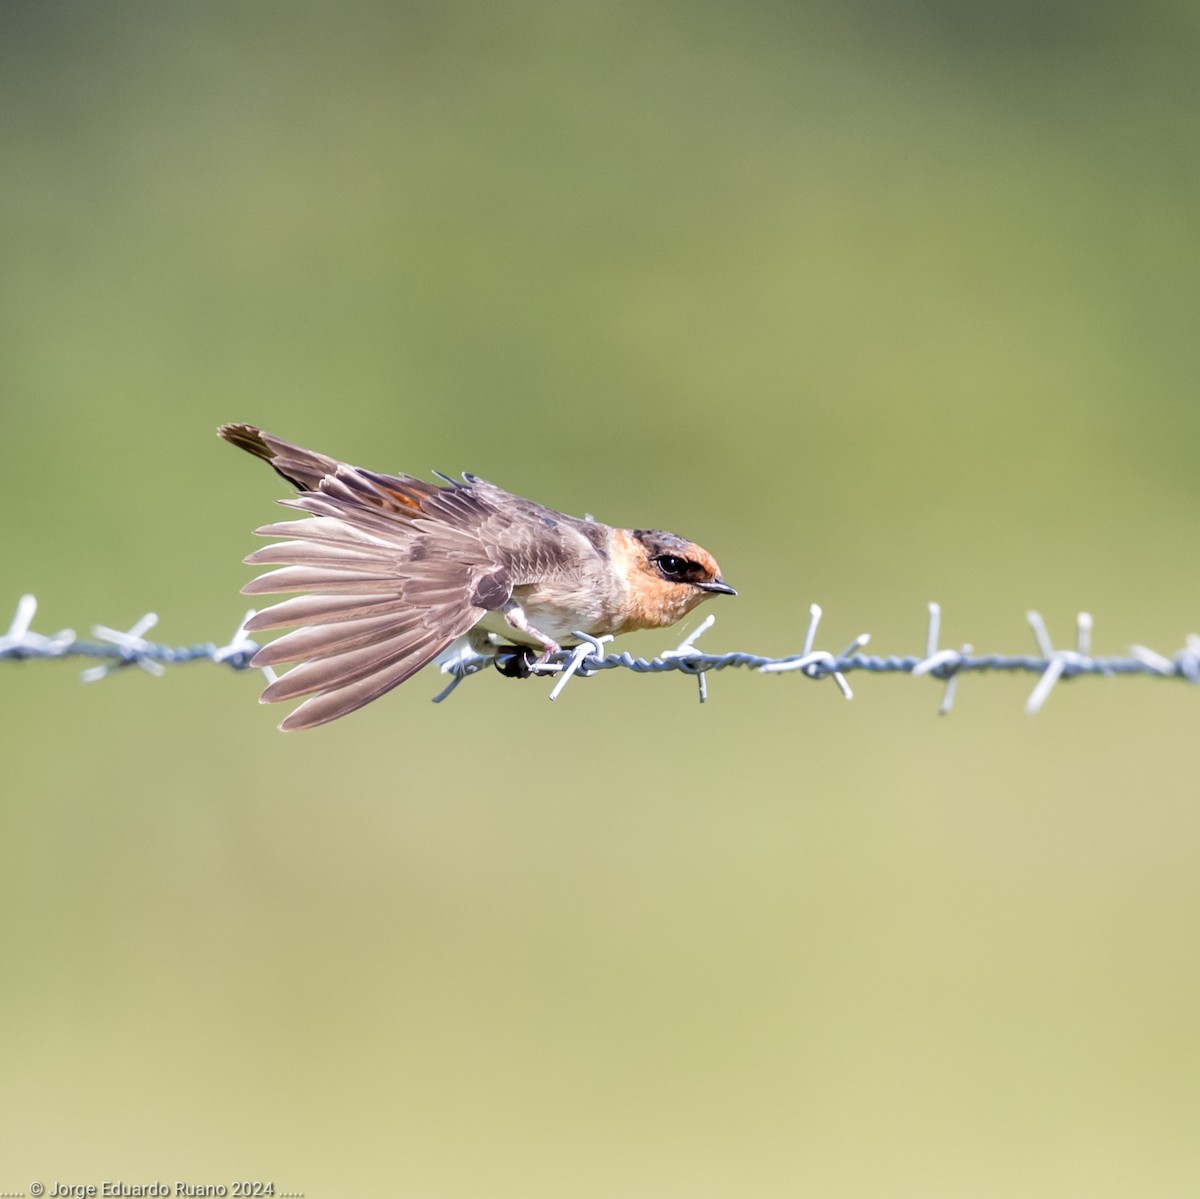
(302,468)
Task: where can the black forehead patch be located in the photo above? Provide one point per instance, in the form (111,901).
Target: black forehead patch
(657,542)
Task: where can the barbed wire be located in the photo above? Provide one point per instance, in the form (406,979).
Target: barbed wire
(116,649)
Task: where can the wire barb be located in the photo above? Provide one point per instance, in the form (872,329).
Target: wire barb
(576,662)
(114,649)
(941,663)
(689,659)
(1063,663)
(241,649)
(20,642)
(133,646)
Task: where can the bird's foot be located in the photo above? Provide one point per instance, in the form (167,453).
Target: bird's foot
(515,661)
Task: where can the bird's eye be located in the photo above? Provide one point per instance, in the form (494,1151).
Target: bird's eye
(670,564)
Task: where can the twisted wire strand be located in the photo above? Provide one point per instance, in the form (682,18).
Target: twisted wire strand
(114,650)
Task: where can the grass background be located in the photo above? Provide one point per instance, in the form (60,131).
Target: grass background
(880,302)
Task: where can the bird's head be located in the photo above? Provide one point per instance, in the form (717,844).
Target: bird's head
(671,576)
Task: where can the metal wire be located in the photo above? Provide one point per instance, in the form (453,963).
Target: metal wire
(115,650)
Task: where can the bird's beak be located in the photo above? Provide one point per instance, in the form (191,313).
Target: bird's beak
(717,586)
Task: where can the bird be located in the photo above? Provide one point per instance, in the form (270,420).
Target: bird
(392,571)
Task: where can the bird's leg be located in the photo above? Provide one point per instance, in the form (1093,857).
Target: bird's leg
(514,614)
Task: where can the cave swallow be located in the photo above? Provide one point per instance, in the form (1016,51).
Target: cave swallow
(394,570)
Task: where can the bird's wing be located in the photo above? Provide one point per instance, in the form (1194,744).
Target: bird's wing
(391,570)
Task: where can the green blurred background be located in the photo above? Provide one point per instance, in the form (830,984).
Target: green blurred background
(882,303)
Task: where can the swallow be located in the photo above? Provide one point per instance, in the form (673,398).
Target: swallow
(392,571)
